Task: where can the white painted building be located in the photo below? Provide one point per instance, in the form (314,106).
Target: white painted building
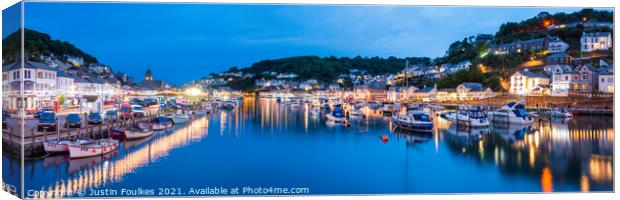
(557,46)
(595,41)
(525,82)
(39,85)
(606,81)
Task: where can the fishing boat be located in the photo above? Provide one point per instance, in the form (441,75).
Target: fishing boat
(62,146)
(97,148)
(140,130)
(337,115)
(513,113)
(162,123)
(470,117)
(415,120)
(562,113)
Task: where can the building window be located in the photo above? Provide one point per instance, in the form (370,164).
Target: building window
(16,75)
(27,74)
(39,74)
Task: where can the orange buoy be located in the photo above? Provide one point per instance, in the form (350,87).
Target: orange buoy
(384,138)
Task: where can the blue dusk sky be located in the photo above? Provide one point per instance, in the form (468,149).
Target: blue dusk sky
(184,42)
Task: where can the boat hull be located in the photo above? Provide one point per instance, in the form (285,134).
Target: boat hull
(90,150)
(56,146)
(134,135)
(180,120)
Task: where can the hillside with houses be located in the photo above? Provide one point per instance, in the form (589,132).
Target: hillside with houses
(558,54)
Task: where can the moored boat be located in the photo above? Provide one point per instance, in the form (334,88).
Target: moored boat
(97,148)
(469,117)
(162,123)
(336,115)
(62,146)
(413,121)
(512,113)
(562,113)
(180,118)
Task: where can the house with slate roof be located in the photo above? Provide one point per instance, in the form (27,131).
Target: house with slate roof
(473,91)
(527,83)
(39,85)
(595,41)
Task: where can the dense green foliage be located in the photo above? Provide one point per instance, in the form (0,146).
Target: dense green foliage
(529,27)
(37,44)
(472,75)
(324,70)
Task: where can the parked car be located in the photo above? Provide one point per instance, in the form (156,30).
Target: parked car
(125,110)
(94,118)
(137,111)
(47,121)
(111,115)
(41,111)
(73,121)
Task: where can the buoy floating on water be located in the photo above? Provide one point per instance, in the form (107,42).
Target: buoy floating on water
(384,138)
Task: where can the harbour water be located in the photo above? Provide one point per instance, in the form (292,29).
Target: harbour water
(265,144)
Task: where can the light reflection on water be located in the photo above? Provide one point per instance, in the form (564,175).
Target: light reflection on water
(555,155)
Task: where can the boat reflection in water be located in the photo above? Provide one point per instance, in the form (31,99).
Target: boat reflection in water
(259,139)
(95,172)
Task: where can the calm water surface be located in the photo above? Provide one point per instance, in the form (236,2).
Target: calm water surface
(265,144)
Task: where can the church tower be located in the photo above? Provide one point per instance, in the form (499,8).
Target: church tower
(149,75)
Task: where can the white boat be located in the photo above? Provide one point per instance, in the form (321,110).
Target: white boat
(356,111)
(413,121)
(97,148)
(563,112)
(180,118)
(471,117)
(134,134)
(512,113)
(337,115)
(62,146)
(162,123)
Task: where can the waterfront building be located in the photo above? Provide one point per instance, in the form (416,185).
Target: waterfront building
(606,80)
(427,93)
(582,78)
(447,94)
(406,93)
(472,91)
(525,82)
(39,85)
(595,41)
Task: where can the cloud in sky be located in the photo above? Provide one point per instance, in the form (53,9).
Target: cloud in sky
(197,39)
